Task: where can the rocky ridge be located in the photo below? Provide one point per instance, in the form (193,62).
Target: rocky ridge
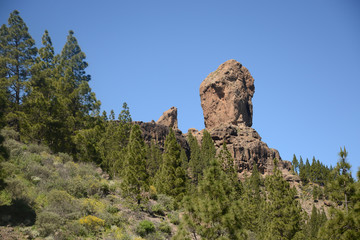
(226,99)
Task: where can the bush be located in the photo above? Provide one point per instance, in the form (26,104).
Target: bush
(76,228)
(35,148)
(91,206)
(153,193)
(167,202)
(62,203)
(144,228)
(158,209)
(174,218)
(165,227)
(19,189)
(92,223)
(65,157)
(9,133)
(49,222)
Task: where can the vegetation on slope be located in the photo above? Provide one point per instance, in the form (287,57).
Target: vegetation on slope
(68,172)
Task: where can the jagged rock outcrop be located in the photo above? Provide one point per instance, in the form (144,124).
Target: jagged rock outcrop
(169,118)
(245,145)
(226,95)
(154,132)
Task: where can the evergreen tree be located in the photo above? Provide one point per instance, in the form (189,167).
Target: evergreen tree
(135,176)
(195,164)
(295,165)
(303,172)
(212,213)
(40,105)
(316,220)
(208,151)
(74,94)
(113,142)
(171,176)
(154,160)
(253,202)
(3,150)
(283,213)
(17,56)
(227,163)
(342,187)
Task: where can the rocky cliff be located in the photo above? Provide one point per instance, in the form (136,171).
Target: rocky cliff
(226,99)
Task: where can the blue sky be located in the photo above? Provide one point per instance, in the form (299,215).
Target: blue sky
(303,55)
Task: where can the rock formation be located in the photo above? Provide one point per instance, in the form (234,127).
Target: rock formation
(245,145)
(156,133)
(226,102)
(169,118)
(226,95)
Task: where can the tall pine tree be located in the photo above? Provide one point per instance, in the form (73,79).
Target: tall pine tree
(283,212)
(135,177)
(212,212)
(17,56)
(171,178)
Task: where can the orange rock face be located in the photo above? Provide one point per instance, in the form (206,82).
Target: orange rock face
(226,95)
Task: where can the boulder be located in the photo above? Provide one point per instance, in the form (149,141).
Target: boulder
(226,95)
(169,118)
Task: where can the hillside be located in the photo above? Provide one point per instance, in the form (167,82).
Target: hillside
(68,171)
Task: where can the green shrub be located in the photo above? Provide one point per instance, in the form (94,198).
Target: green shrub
(165,227)
(35,148)
(158,209)
(144,228)
(62,203)
(174,218)
(9,133)
(112,209)
(153,192)
(20,189)
(65,157)
(166,201)
(75,228)
(48,222)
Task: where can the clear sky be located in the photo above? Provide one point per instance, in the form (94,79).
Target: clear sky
(303,55)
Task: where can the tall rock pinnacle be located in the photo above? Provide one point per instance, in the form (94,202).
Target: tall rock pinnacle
(169,118)
(226,95)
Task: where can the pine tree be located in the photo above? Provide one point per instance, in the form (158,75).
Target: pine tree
(208,151)
(195,164)
(283,213)
(17,56)
(253,202)
(3,150)
(303,172)
(154,160)
(113,143)
(227,163)
(317,219)
(171,178)
(40,105)
(342,187)
(135,176)
(75,94)
(295,165)
(212,212)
